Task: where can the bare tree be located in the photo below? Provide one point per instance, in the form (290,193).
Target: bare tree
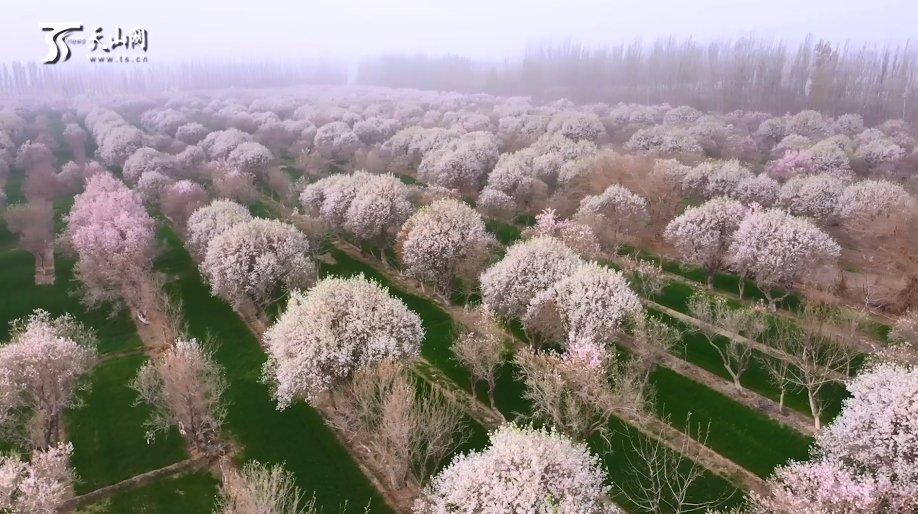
(662,476)
(34,222)
(184,386)
(715,314)
(406,433)
(260,489)
(646,278)
(816,357)
(779,373)
(654,339)
(579,391)
(481,350)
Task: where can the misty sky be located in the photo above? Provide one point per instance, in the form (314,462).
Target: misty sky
(478,28)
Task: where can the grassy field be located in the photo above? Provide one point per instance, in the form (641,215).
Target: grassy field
(108,435)
(297,436)
(743,435)
(192,493)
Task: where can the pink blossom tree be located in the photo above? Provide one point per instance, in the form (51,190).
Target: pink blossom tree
(44,367)
(191,133)
(115,241)
(145,160)
(523,470)
(181,199)
(702,235)
(576,236)
(334,329)
(43,485)
(76,139)
(34,222)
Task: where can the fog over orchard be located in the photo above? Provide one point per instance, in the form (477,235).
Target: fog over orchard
(351,29)
(404,258)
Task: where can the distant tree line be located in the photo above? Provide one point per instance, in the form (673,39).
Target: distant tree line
(748,73)
(34,78)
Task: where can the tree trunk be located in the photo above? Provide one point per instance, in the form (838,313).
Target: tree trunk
(742,286)
(710,281)
(781,402)
(491,387)
(814,408)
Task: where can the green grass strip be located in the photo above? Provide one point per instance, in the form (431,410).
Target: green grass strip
(296,436)
(109,443)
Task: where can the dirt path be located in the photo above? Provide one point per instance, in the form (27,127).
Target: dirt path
(171,470)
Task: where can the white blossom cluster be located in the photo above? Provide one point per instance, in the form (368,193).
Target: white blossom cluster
(702,235)
(812,196)
(440,238)
(146,160)
(523,470)
(528,268)
(250,157)
(379,207)
(191,133)
(337,138)
(848,124)
(778,249)
(760,189)
(615,204)
(877,431)
(880,154)
(212,220)
(329,332)
(682,116)
(660,140)
(116,139)
(249,260)
(871,199)
(810,124)
(592,303)
(716,178)
(576,126)
(165,121)
(462,164)
(220,144)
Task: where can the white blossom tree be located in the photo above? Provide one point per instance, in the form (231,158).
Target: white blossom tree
(442,239)
(528,268)
(877,431)
(523,470)
(326,334)
(379,208)
(593,302)
(812,196)
(867,200)
(778,249)
(212,220)
(42,371)
(702,235)
(249,260)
